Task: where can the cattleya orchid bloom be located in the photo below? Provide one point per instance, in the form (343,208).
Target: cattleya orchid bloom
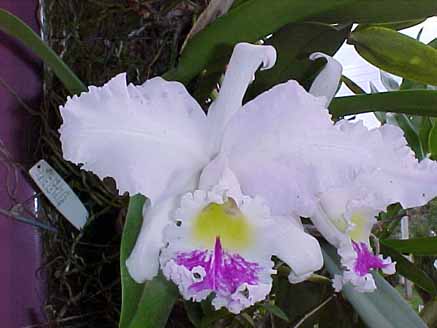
(217,184)
(348,174)
(378,169)
(226,190)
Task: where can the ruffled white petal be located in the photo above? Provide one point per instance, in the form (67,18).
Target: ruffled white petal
(388,166)
(149,138)
(326,83)
(246,59)
(275,144)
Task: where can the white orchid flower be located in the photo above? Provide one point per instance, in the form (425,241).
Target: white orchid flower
(346,174)
(217,183)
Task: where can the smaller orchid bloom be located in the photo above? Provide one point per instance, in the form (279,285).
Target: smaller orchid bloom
(379,170)
(346,217)
(213,223)
(349,174)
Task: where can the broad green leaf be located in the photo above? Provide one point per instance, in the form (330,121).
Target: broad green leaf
(416,246)
(383,308)
(143,305)
(396,53)
(15,27)
(156,303)
(294,43)
(253,20)
(409,270)
(416,102)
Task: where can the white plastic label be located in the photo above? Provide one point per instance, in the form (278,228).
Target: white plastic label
(59,193)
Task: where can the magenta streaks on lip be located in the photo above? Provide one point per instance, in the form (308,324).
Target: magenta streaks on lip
(366,260)
(224,272)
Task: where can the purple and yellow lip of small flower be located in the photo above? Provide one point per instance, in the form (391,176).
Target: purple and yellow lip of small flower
(367,261)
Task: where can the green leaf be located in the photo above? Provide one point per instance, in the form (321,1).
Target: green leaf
(148,304)
(410,133)
(352,86)
(15,27)
(275,310)
(294,43)
(416,246)
(409,270)
(432,142)
(131,291)
(424,132)
(157,300)
(383,308)
(253,20)
(416,102)
(399,25)
(396,53)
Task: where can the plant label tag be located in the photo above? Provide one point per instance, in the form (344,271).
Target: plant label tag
(59,193)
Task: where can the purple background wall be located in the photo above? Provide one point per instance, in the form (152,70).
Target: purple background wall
(21,288)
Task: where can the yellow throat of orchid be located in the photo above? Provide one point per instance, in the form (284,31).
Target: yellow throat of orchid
(225,221)
(360,230)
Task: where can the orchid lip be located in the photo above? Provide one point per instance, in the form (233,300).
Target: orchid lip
(365,260)
(218,270)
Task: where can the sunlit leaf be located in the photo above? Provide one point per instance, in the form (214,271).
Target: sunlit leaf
(416,102)
(396,53)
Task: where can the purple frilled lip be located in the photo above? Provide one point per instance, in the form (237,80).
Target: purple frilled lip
(217,270)
(365,260)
